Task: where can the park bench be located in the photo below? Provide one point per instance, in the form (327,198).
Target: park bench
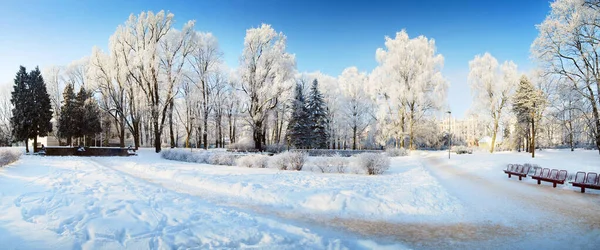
(518,170)
(589,180)
(555,176)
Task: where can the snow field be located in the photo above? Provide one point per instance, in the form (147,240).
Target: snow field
(406,189)
(70,202)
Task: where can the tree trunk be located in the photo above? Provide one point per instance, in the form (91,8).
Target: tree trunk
(257,136)
(35,144)
(136,134)
(354,130)
(122,132)
(570,123)
(533,137)
(205,131)
(494,133)
(26,145)
(157,135)
(171,132)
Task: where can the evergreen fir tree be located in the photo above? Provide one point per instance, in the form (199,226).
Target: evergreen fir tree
(41,107)
(21,100)
(92,119)
(67,121)
(80,115)
(317,118)
(297,130)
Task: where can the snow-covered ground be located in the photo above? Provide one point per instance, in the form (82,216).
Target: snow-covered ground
(423,201)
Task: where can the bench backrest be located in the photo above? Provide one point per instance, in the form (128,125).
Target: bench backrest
(579,177)
(526,169)
(562,175)
(518,169)
(510,167)
(538,172)
(553,174)
(545,172)
(591,178)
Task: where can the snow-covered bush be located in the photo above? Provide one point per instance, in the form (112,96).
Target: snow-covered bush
(372,163)
(333,164)
(288,161)
(253,161)
(222,159)
(8,156)
(244,144)
(395,152)
(462,150)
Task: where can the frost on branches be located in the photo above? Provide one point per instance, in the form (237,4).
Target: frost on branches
(492,86)
(266,70)
(408,86)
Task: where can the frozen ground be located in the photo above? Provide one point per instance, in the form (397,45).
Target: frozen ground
(424,201)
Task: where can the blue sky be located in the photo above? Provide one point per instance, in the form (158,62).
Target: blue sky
(325,35)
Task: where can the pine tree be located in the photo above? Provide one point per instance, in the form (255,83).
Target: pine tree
(80,115)
(21,100)
(67,121)
(317,117)
(92,119)
(41,107)
(297,130)
(527,103)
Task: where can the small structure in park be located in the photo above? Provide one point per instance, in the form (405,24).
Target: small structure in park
(88,151)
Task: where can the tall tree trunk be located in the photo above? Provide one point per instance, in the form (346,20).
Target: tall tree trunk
(411,123)
(570,124)
(494,133)
(257,135)
(121,132)
(136,134)
(354,130)
(35,144)
(205,131)
(157,135)
(26,145)
(533,137)
(171,132)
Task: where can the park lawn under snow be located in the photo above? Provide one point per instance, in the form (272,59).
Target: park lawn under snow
(422,201)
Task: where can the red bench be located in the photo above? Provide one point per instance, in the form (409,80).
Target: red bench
(518,170)
(555,176)
(589,180)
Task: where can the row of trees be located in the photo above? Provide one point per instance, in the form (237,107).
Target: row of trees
(560,96)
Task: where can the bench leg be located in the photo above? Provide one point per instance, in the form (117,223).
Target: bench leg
(520,177)
(509,176)
(554,184)
(539,182)
(582,189)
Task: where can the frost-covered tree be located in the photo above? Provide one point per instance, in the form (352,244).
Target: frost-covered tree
(357,105)
(527,104)
(5,115)
(205,59)
(265,69)
(408,84)
(318,120)
(139,41)
(568,45)
(492,85)
(298,128)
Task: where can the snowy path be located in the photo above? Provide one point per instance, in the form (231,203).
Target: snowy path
(76,203)
(522,211)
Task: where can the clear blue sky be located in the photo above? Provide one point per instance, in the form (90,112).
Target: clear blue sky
(325,35)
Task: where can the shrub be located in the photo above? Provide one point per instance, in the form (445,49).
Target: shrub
(244,144)
(372,163)
(395,152)
(8,156)
(288,161)
(333,164)
(253,161)
(222,159)
(276,148)
(462,150)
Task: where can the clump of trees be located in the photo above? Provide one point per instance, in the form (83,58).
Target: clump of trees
(79,117)
(31,112)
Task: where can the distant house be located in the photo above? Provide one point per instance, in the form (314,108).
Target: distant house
(46,140)
(486,142)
